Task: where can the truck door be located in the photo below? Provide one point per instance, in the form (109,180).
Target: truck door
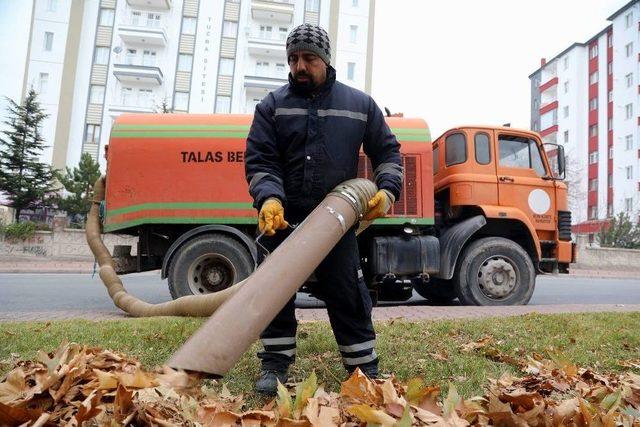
(523,182)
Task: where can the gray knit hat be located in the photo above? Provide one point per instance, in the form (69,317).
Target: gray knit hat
(312,38)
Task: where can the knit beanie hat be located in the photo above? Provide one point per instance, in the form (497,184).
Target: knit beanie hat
(312,38)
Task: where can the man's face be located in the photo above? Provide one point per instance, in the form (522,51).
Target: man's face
(307,69)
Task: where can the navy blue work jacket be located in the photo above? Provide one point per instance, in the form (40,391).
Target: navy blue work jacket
(300,146)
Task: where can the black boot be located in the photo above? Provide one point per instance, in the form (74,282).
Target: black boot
(268,381)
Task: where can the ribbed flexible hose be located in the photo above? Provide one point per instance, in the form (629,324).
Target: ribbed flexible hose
(357,192)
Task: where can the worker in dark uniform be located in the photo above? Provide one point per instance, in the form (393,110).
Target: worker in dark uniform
(304,140)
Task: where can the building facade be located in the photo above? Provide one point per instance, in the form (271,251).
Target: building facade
(586,99)
(92,60)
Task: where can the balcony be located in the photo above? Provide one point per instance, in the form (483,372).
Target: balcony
(263,81)
(153,4)
(135,73)
(549,84)
(135,33)
(268,10)
(267,44)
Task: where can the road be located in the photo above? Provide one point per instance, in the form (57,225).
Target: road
(69,292)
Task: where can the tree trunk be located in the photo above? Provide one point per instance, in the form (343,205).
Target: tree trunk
(18,210)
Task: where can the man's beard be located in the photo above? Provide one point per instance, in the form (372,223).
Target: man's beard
(306,86)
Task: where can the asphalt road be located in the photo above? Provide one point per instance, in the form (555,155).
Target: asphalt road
(61,292)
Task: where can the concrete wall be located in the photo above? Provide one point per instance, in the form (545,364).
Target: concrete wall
(61,243)
(595,257)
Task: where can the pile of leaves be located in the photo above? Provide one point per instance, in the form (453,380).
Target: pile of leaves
(79,385)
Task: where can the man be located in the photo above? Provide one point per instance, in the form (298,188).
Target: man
(304,140)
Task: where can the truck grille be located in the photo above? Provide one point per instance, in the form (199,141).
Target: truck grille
(407,203)
(564,225)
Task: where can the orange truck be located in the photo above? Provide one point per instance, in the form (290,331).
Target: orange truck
(483,209)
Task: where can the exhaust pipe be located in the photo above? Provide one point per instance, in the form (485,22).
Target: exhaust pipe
(217,346)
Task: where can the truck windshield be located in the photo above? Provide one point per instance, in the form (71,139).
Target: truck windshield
(520,152)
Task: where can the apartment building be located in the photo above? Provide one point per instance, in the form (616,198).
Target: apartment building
(586,98)
(92,60)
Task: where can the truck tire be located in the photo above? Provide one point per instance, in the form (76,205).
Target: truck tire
(494,271)
(436,291)
(208,263)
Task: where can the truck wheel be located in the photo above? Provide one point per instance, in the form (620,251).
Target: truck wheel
(208,263)
(437,291)
(494,271)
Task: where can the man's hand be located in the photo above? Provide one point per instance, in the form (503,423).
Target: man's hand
(271,217)
(379,205)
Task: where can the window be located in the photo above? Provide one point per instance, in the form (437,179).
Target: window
(566,136)
(565,111)
(628,79)
(229,29)
(610,180)
(628,111)
(189,25)
(312,6)
(628,20)
(354,3)
(593,51)
(52,5)
(149,58)
(610,210)
(92,134)
(629,49)
(609,123)
(43,83)
(280,69)
(629,172)
(226,66)
(223,104)
(353,33)
(136,17)
(628,205)
(455,149)
(351,70)
(566,86)
(48,41)
(181,101)
(96,94)
(153,20)
(610,68)
(483,155)
(262,68)
(127,96)
(436,159)
(593,184)
(131,56)
(519,152)
(593,212)
(283,33)
(610,40)
(101,56)
(265,31)
(593,78)
(628,142)
(593,157)
(106,17)
(185,62)
(145,98)
(549,119)
(593,130)
(565,62)
(610,96)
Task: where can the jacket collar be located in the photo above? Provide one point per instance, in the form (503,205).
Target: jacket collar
(325,87)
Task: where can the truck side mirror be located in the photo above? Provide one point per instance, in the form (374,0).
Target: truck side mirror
(557,161)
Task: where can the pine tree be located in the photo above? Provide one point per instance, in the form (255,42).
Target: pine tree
(79,184)
(621,232)
(163,107)
(26,181)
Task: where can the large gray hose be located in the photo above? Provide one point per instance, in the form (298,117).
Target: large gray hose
(357,192)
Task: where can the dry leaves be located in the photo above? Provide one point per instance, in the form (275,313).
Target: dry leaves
(79,385)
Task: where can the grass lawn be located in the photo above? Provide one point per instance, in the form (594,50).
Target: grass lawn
(430,349)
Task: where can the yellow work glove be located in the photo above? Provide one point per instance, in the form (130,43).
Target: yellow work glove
(379,205)
(271,217)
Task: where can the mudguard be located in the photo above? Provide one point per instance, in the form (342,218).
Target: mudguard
(225,229)
(452,241)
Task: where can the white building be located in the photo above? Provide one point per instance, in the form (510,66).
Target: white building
(92,60)
(586,98)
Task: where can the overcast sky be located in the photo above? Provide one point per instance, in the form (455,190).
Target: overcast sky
(468,61)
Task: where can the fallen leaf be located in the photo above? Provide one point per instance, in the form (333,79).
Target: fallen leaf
(370,415)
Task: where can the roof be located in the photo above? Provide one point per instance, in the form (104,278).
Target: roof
(621,10)
(557,56)
(488,127)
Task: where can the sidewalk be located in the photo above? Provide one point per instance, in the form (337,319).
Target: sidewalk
(410,313)
(85,265)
